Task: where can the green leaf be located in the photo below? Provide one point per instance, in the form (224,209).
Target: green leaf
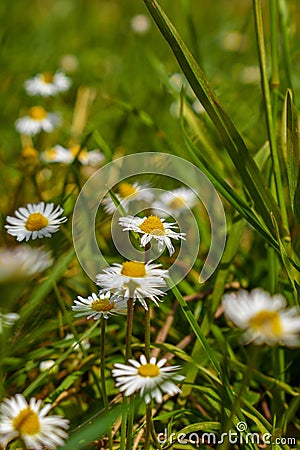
(94,429)
(66,384)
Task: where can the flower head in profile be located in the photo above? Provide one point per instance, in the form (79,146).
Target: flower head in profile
(126,193)
(22,262)
(264,317)
(37,120)
(47,84)
(57,154)
(151,379)
(35,221)
(152,227)
(173,203)
(133,279)
(87,157)
(7,320)
(97,306)
(31,423)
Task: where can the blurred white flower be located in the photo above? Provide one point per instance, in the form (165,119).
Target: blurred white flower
(22,262)
(48,365)
(173,203)
(250,75)
(37,120)
(140,24)
(126,193)
(29,422)
(7,320)
(47,84)
(263,316)
(84,343)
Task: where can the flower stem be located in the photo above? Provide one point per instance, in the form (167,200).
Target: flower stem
(126,432)
(147,354)
(102,374)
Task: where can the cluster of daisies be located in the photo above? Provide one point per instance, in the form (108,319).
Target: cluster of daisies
(38,120)
(141,282)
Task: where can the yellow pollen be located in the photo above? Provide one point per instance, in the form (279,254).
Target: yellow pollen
(176,203)
(50,154)
(75,151)
(29,153)
(133,269)
(267,321)
(27,422)
(153,225)
(102,305)
(36,221)
(47,77)
(148,370)
(37,113)
(126,190)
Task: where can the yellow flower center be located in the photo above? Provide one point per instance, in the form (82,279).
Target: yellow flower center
(27,422)
(126,190)
(133,269)
(37,113)
(153,225)
(50,154)
(102,305)
(176,203)
(36,221)
(29,153)
(47,77)
(148,370)
(267,321)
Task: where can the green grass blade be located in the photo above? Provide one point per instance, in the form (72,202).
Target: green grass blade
(232,139)
(290,146)
(197,330)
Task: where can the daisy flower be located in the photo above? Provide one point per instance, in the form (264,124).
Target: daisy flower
(133,279)
(126,193)
(151,379)
(29,422)
(35,221)
(47,84)
(97,306)
(87,158)
(37,120)
(7,320)
(22,262)
(152,227)
(173,203)
(263,316)
(57,154)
